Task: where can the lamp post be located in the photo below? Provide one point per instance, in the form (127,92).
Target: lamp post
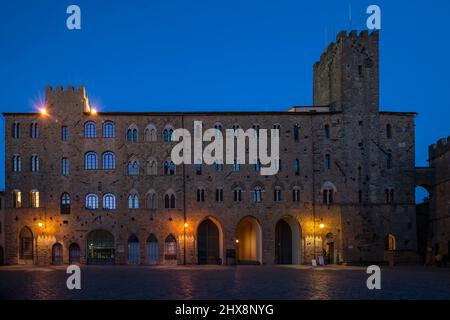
(184,242)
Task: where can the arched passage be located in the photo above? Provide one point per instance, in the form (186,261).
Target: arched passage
(57,253)
(100,247)
(152,256)
(209,240)
(133,250)
(74,253)
(287,241)
(249,241)
(26,244)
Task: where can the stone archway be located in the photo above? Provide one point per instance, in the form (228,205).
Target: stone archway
(249,241)
(100,247)
(209,242)
(287,241)
(26,245)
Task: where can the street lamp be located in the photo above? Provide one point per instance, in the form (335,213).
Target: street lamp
(184,240)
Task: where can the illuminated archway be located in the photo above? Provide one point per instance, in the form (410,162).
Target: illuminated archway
(249,241)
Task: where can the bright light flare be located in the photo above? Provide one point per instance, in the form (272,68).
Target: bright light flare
(321,226)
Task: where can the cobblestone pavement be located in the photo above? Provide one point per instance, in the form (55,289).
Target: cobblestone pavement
(223,282)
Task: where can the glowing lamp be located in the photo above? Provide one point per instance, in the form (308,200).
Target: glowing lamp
(40,224)
(93,111)
(185,225)
(237,240)
(321,226)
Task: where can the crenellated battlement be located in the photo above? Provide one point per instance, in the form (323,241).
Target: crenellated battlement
(439,148)
(70,89)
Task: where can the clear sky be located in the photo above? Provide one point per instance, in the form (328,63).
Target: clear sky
(176,55)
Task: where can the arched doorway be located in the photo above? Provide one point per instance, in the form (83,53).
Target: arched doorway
(391,243)
(74,253)
(152,256)
(26,244)
(133,250)
(283,242)
(100,247)
(57,253)
(329,249)
(170,248)
(208,238)
(287,241)
(1,256)
(249,241)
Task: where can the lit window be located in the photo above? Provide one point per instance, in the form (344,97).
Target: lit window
(169,168)
(17,163)
(34,130)
(108,160)
(257,194)
(90,161)
(109,202)
(64,133)
(91,201)
(109,129)
(90,130)
(65,167)
(34,163)
(34,199)
(65,203)
(167,133)
(17,199)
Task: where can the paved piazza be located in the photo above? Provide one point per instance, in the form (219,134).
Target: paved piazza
(223,282)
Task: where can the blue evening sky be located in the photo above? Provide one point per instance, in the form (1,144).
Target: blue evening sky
(176,55)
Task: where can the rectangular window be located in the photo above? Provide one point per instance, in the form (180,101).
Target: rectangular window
(65,167)
(64,133)
(219,195)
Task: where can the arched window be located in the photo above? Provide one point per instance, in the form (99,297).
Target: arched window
(235,126)
(296,194)
(57,253)
(296,132)
(169,168)
(90,161)
(133,168)
(167,133)
(34,163)
(152,256)
(17,163)
(34,130)
(132,133)
(388,131)
(150,133)
(74,253)
(151,200)
(170,248)
(133,200)
(237,194)
(109,201)
(328,190)
(219,195)
(109,129)
(296,167)
(108,160)
(169,200)
(277,194)
(65,203)
(91,201)
(17,199)
(151,168)
(133,250)
(34,199)
(90,130)
(16,130)
(200,195)
(257,194)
